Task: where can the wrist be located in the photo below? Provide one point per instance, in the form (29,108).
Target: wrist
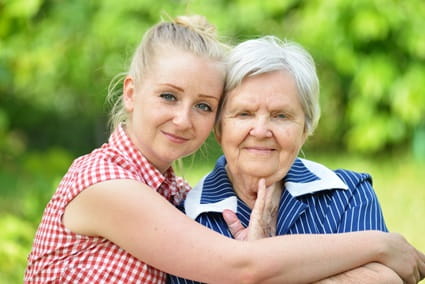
(381,246)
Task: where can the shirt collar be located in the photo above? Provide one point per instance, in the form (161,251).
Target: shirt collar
(306,177)
(215,192)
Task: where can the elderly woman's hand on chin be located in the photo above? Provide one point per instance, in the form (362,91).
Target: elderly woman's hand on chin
(263,219)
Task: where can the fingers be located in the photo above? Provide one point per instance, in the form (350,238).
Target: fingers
(235,226)
(409,262)
(264,215)
(257,229)
(257,212)
(271,209)
(262,221)
(261,200)
(421,265)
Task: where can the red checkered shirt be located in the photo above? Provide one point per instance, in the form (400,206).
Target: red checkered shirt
(60,256)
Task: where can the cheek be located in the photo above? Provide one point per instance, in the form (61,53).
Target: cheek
(226,138)
(292,139)
(144,116)
(236,128)
(204,127)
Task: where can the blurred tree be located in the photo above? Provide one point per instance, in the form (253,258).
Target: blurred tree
(370,55)
(57,58)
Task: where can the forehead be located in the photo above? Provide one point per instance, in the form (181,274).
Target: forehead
(276,87)
(187,70)
(173,58)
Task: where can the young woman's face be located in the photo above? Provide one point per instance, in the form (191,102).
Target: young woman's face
(172,110)
(262,126)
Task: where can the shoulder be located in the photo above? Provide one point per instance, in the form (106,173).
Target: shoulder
(102,164)
(353,178)
(107,160)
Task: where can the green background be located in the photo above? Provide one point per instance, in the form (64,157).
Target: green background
(57,58)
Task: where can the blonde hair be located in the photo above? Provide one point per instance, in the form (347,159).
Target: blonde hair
(193,34)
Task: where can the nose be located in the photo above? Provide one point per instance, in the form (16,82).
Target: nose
(261,128)
(182,118)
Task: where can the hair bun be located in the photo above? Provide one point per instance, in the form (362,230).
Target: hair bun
(197,23)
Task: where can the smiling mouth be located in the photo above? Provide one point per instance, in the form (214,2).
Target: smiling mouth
(175,138)
(263,150)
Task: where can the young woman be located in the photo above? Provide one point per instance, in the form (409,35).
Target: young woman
(112,218)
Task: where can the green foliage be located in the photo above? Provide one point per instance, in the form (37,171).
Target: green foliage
(16,237)
(375,70)
(25,188)
(58,57)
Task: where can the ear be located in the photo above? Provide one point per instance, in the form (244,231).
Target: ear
(129,93)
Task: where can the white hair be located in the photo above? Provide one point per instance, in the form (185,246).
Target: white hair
(267,54)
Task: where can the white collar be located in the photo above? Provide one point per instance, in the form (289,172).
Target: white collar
(326,179)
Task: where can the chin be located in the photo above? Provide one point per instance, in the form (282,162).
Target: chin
(260,172)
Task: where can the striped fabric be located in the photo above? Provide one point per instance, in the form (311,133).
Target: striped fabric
(315,200)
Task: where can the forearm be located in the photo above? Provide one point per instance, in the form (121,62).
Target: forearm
(309,258)
(291,259)
(155,232)
(372,273)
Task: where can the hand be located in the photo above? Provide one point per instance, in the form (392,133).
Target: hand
(263,218)
(404,259)
(371,273)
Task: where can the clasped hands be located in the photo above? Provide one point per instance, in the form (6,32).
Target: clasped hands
(262,223)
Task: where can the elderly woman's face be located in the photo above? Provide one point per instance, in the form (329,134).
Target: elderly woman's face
(263,126)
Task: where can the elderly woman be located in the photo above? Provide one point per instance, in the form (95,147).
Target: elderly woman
(270,108)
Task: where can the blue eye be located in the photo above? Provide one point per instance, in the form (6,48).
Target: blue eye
(280,115)
(244,114)
(204,107)
(168,97)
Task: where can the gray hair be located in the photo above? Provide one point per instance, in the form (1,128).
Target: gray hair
(267,54)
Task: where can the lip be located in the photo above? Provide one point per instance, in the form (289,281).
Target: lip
(259,149)
(175,138)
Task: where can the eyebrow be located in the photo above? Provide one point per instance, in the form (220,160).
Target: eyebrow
(182,90)
(173,86)
(210,97)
